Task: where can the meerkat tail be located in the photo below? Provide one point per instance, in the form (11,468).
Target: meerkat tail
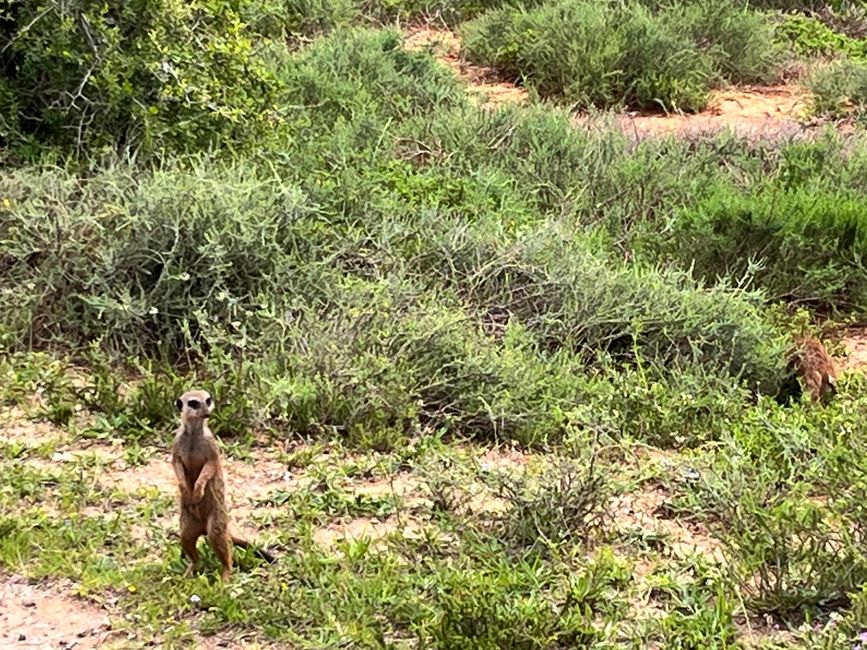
(260,552)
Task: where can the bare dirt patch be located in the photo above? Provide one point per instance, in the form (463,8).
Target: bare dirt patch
(642,510)
(482,84)
(15,426)
(38,616)
(753,112)
(855,342)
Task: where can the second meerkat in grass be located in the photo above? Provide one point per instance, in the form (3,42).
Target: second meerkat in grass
(811,367)
(198,467)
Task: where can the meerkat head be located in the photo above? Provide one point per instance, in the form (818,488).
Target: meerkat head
(195,405)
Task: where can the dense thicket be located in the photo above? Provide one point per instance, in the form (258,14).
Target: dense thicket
(383,255)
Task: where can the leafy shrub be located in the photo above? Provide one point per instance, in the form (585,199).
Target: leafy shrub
(141,254)
(290,20)
(609,54)
(809,36)
(151,74)
(575,299)
(803,245)
(739,42)
(589,66)
(839,88)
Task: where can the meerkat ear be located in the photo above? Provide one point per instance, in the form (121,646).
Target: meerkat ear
(179,404)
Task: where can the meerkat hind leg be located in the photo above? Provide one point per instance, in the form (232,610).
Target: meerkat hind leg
(220,542)
(190,533)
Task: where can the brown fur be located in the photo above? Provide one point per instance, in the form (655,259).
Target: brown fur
(197,464)
(814,366)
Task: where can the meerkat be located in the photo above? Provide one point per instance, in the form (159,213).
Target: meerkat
(197,464)
(810,361)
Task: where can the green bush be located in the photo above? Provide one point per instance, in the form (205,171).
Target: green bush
(151,74)
(739,42)
(363,75)
(809,36)
(616,54)
(839,88)
(294,20)
(572,298)
(802,246)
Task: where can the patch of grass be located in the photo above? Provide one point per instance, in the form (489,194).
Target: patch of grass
(701,614)
(500,603)
(784,495)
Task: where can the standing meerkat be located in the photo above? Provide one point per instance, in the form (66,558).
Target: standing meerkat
(811,362)
(197,464)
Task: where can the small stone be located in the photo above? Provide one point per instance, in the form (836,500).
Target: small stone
(22,637)
(29,603)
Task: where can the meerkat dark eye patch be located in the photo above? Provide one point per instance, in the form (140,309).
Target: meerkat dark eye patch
(179,404)
(208,401)
(194,403)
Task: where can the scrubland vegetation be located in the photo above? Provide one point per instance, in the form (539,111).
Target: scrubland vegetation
(383,283)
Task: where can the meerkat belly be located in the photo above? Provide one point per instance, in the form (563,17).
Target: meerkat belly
(193,464)
(213,500)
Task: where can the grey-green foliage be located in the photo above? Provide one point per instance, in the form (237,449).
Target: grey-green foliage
(293,20)
(193,261)
(839,88)
(363,74)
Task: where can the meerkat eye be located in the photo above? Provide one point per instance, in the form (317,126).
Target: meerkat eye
(194,403)
(179,404)
(209,401)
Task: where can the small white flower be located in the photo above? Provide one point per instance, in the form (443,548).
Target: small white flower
(195,599)
(183,277)
(153,311)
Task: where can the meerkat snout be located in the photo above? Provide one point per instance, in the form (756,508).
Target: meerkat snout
(195,404)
